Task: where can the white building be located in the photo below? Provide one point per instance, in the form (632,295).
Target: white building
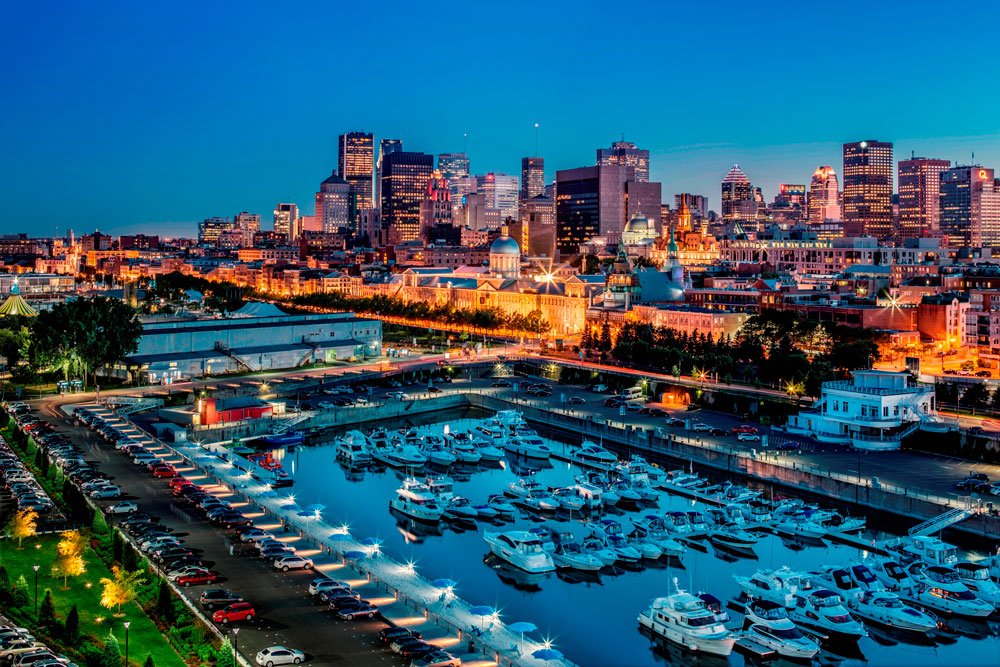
(873,410)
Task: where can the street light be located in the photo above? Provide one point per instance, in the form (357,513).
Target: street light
(36,589)
(236,632)
(126,624)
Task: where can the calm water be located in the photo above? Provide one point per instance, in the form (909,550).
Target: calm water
(592,621)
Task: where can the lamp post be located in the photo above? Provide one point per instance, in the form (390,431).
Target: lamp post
(236,650)
(126,624)
(35,567)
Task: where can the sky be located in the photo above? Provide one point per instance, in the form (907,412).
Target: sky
(148,117)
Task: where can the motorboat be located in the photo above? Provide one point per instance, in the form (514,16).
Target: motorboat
(838,579)
(891,574)
(728,492)
(492,432)
(465,451)
(824,610)
(522,487)
(714,605)
(799,525)
(610,533)
(676,524)
(931,550)
(779,586)
(756,513)
(598,480)
(439,455)
(651,529)
(940,588)
(416,501)
(443,488)
(682,479)
(786,642)
(596,547)
(768,614)
(461,508)
(527,447)
(838,524)
(521,549)
(568,498)
(591,496)
(699,525)
(625,493)
(570,554)
(864,578)
(354,449)
(889,609)
(637,470)
(539,500)
(499,504)
(399,456)
(976,577)
(592,455)
(684,619)
(286,439)
(731,513)
(486,512)
(733,536)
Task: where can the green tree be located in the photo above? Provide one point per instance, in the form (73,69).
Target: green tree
(5,592)
(100,524)
(112,656)
(164,602)
(19,592)
(149,661)
(72,626)
(604,342)
(47,612)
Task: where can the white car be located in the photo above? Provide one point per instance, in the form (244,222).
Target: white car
(702,427)
(106,492)
(123,507)
(360,400)
(748,437)
(286,563)
(174,575)
(436,659)
(279,655)
(322,585)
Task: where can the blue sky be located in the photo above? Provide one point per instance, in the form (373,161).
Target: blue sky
(130,116)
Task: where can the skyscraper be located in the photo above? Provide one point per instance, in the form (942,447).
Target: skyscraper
(532,178)
(824,196)
(356,164)
(970,207)
(867,204)
(696,204)
(501,193)
(333,204)
(286,221)
(385,146)
(919,196)
(626,154)
(404,178)
(738,202)
(435,208)
(453,165)
(247,224)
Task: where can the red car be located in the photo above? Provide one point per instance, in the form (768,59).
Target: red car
(237,611)
(198,578)
(743,428)
(178,482)
(164,471)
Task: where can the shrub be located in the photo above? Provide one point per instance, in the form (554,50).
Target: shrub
(19,592)
(72,627)
(47,613)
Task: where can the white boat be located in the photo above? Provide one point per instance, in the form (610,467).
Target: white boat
(596,547)
(684,619)
(461,507)
(891,574)
(732,535)
(676,523)
(443,488)
(570,555)
(940,588)
(521,549)
(925,548)
(568,499)
(439,455)
(638,465)
(976,577)
(824,610)
(592,478)
(786,642)
(492,433)
(416,501)
(486,512)
(465,451)
(540,500)
(625,492)
(501,506)
(889,609)
(839,525)
(682,479)
(652,529)
(800,526)
(768,614)
(591,496)
(399,456)
(610,533)
(838,579)
(354,449)
(779,586)
(527,447)
(592,455)
(729,492)
(522,487)
(865,579)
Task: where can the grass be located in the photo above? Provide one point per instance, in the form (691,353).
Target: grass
(144,637)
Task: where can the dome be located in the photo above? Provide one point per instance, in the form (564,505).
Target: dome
(505,245)
(638,224)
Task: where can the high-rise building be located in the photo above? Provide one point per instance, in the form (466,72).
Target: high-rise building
(626,154)
(919,196)
(356,164)
(535,231)
(435,208)
(696,204)
(738,199)
(453,165)
(247,224)
(824,196)
(286,221)
(404,178)
(789,205)
(532,178)
(333,203)
(385,146)
(210,229)
(501,193)
(867,203)
(970,207)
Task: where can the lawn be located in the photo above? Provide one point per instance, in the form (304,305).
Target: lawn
(144,638)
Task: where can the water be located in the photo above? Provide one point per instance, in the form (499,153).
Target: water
(592,621)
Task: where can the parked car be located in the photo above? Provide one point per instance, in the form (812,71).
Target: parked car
(701,427)
(324,584)
(433,390)
(105,492)
(748,437)
(394,632)
(123,507)
(502,384)
(674,421)
(717,431)
(358,611)
(164,471)
(287,563)
(198,578)
(576,400)
(234,613)
(216,598)
(436,659)
(279,655)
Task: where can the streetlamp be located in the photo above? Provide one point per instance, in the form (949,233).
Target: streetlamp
(35,567)
(236,633)
(126,624)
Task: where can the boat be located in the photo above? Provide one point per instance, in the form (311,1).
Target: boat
(864,578)
(768,614)
(699,525)
(399,456)
(439,455)
(925,548)
(651,529)
(684,619)
(591,496)
(610,533)
(599,480)
(728,492)
(838,579)
(539,500)
(569,554)
(528,448)
(676,523)
(487,513)
(596,547)
(354,449)
(287,439)
(838,524)
(799,525)
(779,586)
(521,549)
(501,506)
(824,610)
(786,642)
(416,501)
(465,451)
(522,487)
(733,536)
(626,494)
(442,487)
(681,479)
(939,587)
(976,577)
(592,455)
(461,508)
(891,574)
(638,465)
(568,498)
(889,609)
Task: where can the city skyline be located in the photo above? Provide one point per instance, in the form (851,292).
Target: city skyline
(171,135)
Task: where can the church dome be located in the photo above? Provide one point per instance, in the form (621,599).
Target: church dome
(637,224)
(505,245)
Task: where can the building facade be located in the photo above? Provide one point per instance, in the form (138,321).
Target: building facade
(356,165)
(824,196)
(625,154)
(919,181)
(738,203)
(532,178)
(333,204)
(286,221)
(404,179)
(867,203)
(970,207)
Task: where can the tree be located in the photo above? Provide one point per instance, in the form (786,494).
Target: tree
(164,602)
(149,661)
(604,343)
(5,592)
(100,524)
(112,656)
(120,589)
(72,627)
(70,562)
(47,612)
(19,592)
(23,524)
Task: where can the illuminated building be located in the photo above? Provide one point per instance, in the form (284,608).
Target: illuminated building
(738,203)
(535,230)
(789,206)
(404,178)
(970,207)
(824,196)
(696,204)
(435,209)
(919,196)
(333,204)
(500,191)
(625,154)
(385,146)
(505,257)
(532,177)
(286,221)
(210,229)
(453,165)
(867,203)
(355,164)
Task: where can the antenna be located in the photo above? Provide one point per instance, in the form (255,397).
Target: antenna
(536,139)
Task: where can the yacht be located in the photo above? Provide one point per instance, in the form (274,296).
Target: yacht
(676,524)
(926,548)
(596,547)
(539,500)
(865,579)
(416,501)
(439,455)
(824,610)
(569,554)
(592,455)
(839,524)
(891,574)
(532,448)
(598,480)
(568,498)
(727,492)
(838,579)
(681,479)
(521,549)
(499,504)
(779,586)
(733,536)
(522,487)
(492,432)
(651,529)
(399,456)
(461,508)
(684,619)
(610,533)
(768,614)
(638,465)
(800,525)
(699,526)
(591,496)
(626,494)
(888,609)
(786,642)
(464,450)
(976,577)
(940,588)
(488,513)
(443,488)
(354,449)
